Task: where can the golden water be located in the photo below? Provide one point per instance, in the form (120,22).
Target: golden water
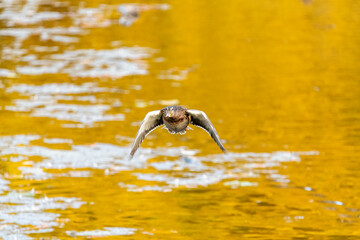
(279,80)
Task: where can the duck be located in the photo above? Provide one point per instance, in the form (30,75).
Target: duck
(176,120)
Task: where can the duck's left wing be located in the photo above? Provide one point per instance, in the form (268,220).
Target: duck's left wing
(152,120)
(199,118)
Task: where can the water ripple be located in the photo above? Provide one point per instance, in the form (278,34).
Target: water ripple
(107,231)
(113,63)
(29,213)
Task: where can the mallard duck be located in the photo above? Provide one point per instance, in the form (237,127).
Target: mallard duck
(176,120)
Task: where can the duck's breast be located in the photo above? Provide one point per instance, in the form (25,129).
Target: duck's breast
(177,126)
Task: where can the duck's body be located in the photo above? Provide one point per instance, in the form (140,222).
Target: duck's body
(176,120)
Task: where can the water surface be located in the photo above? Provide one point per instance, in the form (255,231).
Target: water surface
(279,80)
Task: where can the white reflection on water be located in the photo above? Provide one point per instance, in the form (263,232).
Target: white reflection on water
(3,185)
(86,115)
(185,170)
(176,74)
(192,172)
(130,12)
(180,168)
(6,73)
(23,213)
(15,13)
(44,100)
(15,50)
(80,63)
(113,63)
(107,231)
(55,88)
(29,214)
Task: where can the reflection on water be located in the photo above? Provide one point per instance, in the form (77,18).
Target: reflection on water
(44,102)
(279,81)
(131,12)
(102,233)
(115,63)
(235,170)
(23,213)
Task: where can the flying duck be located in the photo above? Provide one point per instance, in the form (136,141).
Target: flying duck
(176,120)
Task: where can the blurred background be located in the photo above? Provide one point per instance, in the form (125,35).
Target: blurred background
(280,80)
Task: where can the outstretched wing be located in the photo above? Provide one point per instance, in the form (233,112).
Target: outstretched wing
(199,118)
(152,120)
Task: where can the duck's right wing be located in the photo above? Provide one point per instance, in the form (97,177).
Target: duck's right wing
(199,118)
(152,120)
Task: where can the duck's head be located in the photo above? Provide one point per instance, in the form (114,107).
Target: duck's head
(175,114)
